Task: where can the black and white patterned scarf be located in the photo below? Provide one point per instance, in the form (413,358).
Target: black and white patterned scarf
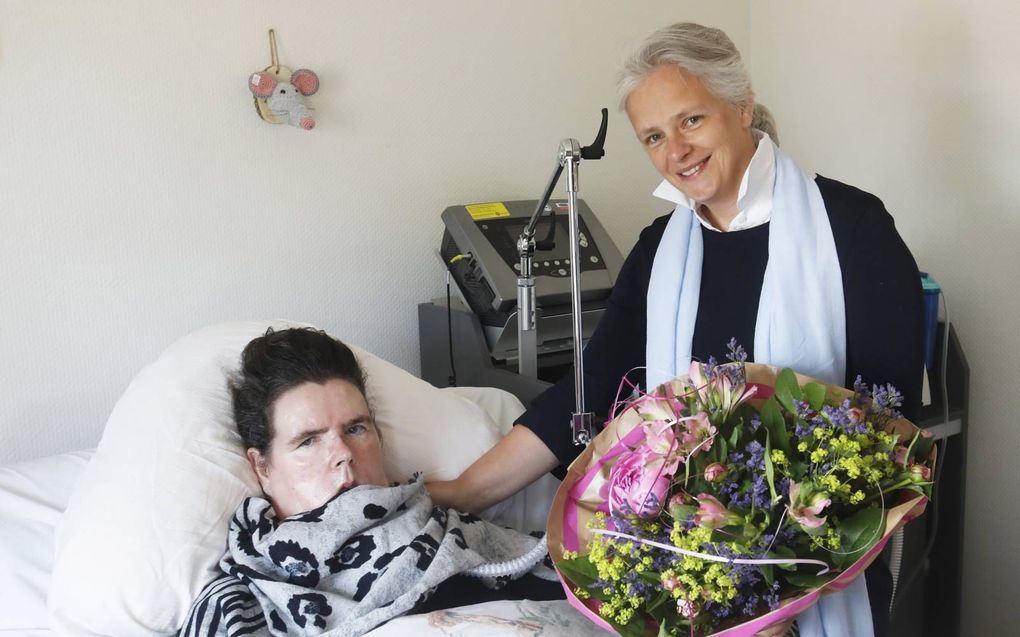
(366,556)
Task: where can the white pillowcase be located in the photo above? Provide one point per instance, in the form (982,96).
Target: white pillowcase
(146,524)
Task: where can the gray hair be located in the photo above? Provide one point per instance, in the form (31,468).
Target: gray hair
(703,51)
(762,120)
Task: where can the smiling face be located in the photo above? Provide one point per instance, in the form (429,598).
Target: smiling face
(699,142)
(324,441)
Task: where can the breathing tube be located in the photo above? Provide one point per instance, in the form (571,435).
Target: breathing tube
(513,568)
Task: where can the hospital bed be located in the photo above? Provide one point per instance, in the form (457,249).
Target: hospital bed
(120,538)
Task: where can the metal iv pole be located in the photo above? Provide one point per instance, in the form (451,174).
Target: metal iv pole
(569,157)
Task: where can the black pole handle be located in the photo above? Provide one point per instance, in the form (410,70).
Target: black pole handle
(597,150)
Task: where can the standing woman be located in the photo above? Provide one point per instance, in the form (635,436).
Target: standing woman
(804,271)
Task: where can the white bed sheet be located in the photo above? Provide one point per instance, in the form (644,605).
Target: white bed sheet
(33,495)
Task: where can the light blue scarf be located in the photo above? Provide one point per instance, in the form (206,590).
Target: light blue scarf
(801,324)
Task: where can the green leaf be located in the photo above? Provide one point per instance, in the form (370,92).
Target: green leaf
(775,424)
(769,471)
(920,488)
(579,570)
(738,431)
(922,449)
(663,632)
(808,580)
(659,600)
(784,552)
(858,533)
(634,628)
(815,395)
(788,390)
(768,573)
(797,470)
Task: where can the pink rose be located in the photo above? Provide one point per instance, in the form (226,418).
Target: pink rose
(805,506)
(715,471)
(711,514)
(638,484)
(856,414)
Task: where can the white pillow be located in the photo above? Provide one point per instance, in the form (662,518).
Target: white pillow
(146,524)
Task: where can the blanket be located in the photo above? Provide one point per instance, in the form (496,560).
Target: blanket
(368,555)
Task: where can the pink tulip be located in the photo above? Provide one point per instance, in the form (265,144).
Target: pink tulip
(715,471)
(660,440)
(638,484)
(697,435)
(698,380)
(900,455)
(804,508)
(669,583)
(920,472)
(737,395)
(720,392)
(711,514)
(686,608)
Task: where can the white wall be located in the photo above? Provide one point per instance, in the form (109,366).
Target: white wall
(142,197)
(916,102)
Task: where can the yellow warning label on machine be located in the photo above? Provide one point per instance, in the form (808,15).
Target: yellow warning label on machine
(479,211)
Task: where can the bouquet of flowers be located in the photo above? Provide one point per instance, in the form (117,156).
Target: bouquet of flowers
(728,501)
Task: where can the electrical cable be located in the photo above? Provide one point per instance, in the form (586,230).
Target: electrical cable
(939,469)
(452,379)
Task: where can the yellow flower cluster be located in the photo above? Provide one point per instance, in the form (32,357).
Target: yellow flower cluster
(858,461)
(614,558)
(699,579)
(831,539)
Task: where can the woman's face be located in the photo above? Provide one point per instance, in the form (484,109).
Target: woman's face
(324,441)
(700,143)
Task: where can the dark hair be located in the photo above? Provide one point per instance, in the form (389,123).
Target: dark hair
(279,361)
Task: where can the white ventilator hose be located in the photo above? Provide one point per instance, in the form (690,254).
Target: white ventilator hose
(895,561)
(513,568)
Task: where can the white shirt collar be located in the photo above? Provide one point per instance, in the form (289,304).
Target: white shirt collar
(754,199)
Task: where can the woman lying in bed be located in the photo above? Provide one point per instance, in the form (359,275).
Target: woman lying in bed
(334,547)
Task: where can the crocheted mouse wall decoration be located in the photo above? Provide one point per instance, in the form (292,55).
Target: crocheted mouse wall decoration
(284,98)
(280,93)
